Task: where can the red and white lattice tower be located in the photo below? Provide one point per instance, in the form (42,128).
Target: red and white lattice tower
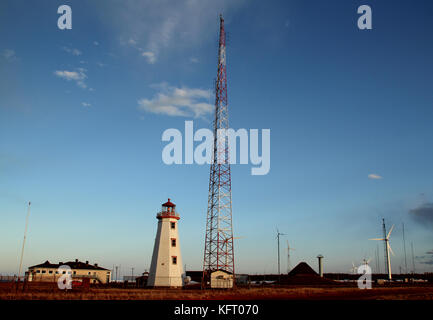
(218,252)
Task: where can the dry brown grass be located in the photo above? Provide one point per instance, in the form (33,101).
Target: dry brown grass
(265,293)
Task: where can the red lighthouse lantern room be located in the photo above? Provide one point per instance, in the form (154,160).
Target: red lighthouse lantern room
(168,211)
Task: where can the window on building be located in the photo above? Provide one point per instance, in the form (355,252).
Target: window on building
(51,271)
(173,225)
(173,242)
(38,271)
(75,272)
(174,260)
(64,272)
(88,272)
(57,272)
(44,271)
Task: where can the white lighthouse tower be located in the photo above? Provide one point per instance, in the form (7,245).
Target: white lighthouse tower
(166,268)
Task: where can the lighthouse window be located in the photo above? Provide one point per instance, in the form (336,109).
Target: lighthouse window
(173,242)
(174,260)
(173,225)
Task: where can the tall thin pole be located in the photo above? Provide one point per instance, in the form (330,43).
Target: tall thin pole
(288,257)
(278,245)
(385,246)
(404,246)
(278,237)
(24,241)
(413,259)
(376,253)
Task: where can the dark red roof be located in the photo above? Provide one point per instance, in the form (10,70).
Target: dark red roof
(168,204)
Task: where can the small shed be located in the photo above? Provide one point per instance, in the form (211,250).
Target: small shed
(221,279)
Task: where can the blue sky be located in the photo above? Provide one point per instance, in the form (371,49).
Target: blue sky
(341,104)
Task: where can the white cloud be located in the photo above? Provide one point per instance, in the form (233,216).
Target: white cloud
(166,25)
(74,52)
(374,176)
(85,104)
(132,42)
(193,60)
(78,76)
(96,43)
(8,54)
(174,101)
(150,56)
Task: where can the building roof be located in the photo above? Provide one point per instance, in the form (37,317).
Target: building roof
(168,204)
(73,264)
(303,274)
(302,269)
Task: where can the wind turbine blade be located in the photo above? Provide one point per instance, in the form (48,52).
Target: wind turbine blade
(389,233)
(378,239)
(391,249)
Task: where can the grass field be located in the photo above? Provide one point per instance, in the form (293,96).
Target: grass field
(37,292)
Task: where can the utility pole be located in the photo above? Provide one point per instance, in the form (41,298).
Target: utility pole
(24,242)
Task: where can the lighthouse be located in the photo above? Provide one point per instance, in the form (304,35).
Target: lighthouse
(166,267)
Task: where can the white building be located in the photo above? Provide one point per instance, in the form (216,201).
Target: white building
(166,268)
(50,272)
(221,279)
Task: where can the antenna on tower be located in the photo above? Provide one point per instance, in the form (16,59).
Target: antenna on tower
(24,241)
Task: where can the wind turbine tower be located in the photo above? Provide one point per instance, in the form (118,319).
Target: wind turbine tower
(278,241)
(388,249)
(288,256)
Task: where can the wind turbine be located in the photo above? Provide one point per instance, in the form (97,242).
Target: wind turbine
(278,240)
(366,262)
(354,269)
(288,256)
(387,248)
